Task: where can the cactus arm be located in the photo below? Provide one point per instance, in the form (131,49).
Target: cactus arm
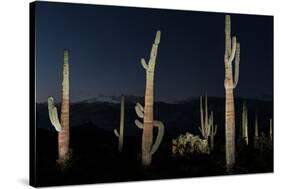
(140,106)
(116,133)
(206,115)
(233,50)
(201,117)
(53,114)
(210,124)
(143,63)
(237,61)
(139,110)
(139,124)
(159,137)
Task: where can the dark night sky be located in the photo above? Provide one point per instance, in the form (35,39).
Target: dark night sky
(106,44)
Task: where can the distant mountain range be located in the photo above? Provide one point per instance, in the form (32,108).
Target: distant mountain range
(133,99)
(112,99)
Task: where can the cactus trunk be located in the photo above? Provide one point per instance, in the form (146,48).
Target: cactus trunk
(229,129)
(231,50)
(147,136)
(63,136)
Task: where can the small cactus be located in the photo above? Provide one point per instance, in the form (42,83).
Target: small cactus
(245,124)
(256,137)
(207,129)
(120,135)
(270,129)
(205,120)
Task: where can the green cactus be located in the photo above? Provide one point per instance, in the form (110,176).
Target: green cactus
(120,135)
(232,50)
(63,126)
(245,124)
(146,112)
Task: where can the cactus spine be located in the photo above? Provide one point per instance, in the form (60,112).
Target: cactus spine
(63,126)
(120,135)
(232,50)
(245,124)
(207,129)
(146,112)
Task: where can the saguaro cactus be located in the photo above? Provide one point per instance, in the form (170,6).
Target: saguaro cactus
(232,50)
(256,137)
(120,135)
(63,126)
(146,112)
(207,129)
(245,124)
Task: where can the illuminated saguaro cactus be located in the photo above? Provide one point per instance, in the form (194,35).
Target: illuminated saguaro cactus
(205,120)
(146,112)
(245,124)
(120,135)
(62,126)
(207,129)
(232,50)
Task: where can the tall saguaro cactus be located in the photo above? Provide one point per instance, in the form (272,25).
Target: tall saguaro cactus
(232,50)
(120,135)
(62,126)
(146,112)
(207,129)
(245,124)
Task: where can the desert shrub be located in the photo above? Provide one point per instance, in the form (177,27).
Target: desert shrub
(188,144)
